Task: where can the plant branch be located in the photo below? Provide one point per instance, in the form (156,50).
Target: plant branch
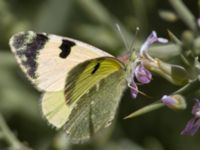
(184,14)
(188,88)
(10,137)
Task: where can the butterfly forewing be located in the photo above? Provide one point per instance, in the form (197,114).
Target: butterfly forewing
(47,59)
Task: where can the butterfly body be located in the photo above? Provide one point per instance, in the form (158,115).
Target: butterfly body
(82,85)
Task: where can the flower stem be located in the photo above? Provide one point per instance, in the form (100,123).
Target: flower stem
(188,88)
(7,134)
(184,13)
(145,109)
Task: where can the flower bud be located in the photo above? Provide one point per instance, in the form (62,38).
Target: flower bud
(175,102)
(177,74)
(168,15)
(174,73)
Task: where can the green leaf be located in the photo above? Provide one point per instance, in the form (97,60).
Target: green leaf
(174,38)
(145,110)
(184,13)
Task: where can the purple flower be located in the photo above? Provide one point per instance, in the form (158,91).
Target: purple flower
(143,75)
(191,127)
(174,101)
(193,124)
(152,38)
(138,70)
(196,108)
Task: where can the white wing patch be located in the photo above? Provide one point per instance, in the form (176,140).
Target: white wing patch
(48,63)
(53,69)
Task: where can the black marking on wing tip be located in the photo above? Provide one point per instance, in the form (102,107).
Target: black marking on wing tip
(19,40)
(96,67)
(66,48)
(29,50)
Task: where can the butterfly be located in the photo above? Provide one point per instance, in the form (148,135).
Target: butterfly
(81,84)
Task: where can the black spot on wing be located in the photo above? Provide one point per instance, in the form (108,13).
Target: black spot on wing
(27,48)
(96,67)
(66,48)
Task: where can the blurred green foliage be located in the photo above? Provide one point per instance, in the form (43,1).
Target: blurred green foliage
(92,21)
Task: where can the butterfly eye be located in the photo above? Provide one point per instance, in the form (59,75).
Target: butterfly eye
(66,48)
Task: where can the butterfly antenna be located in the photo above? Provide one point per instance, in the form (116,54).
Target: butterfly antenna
(122,37)
(136,34)
(128,46)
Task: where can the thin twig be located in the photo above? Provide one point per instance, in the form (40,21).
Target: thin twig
(7,134)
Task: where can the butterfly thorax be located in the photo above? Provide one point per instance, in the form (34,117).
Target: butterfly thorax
(130,67)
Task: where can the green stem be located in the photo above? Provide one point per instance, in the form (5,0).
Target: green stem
(184,14)
(188,88)
(9,136)
(145,109)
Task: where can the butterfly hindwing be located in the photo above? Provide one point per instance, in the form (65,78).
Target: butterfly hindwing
(92,93)
(47,59)
(54,108)
(95,110)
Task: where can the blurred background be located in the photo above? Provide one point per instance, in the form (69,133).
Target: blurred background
(92,21)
